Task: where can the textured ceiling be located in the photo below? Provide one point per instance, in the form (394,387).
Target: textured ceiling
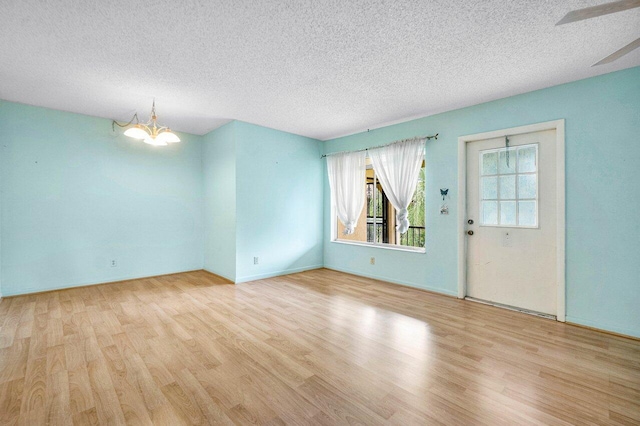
(321,68)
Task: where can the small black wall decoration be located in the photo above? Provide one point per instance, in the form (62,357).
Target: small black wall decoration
(444,192)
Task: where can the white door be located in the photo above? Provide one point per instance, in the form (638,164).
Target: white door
(511,221)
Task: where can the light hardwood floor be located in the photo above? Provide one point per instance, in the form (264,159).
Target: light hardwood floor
(319,347)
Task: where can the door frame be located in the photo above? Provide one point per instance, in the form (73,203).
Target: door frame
(558,126)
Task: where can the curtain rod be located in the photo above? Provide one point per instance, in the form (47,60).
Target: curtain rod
(381,146)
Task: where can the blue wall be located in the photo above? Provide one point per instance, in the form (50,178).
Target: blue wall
(279,202)
(219,185)
(3,124)
(602,188)
(81,195)
(75,196)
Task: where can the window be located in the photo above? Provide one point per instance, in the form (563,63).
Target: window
(509,187)
(377,222)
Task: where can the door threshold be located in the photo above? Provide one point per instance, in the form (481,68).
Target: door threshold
(512,308)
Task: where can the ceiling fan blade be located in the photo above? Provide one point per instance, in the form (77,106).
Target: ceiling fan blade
(603,9)
(619,53)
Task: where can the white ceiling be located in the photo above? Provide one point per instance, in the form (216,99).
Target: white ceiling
(321,68)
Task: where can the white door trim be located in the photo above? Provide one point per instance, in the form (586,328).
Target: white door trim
(558,126)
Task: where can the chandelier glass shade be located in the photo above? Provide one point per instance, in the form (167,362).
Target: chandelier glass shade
(136,132)
(150,133)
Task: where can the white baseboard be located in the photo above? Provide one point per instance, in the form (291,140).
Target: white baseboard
(276,273)
(33,290)
(604,327)
(219,274)
(394,281)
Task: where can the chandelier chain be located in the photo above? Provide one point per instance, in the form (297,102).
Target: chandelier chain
(114,122)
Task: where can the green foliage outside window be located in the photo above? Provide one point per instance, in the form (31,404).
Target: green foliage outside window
(417,207)
(415,236)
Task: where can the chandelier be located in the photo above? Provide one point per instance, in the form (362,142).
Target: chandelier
(150,132)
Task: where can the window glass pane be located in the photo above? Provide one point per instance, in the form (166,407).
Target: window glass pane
(507,187)
(489,212)
(416,208)
(527,159)
(489,188)
(377,222)
(527,186)
(527,213)
(490,163)
(507,212)
(415,235)
(503,167)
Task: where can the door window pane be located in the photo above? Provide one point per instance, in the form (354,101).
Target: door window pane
(490,212)
(527,186)
(507,164)
(490,163)
(507,212)
(527,159)
(508,187)
(527,213)
(489,188)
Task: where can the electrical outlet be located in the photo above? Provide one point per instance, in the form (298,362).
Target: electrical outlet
(372,261)
(255,260)
(114,263)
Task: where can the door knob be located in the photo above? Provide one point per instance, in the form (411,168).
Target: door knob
(470,232)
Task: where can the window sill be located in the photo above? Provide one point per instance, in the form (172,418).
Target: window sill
(420,250)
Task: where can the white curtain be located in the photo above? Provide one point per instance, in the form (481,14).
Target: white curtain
(347,182)
(397,167)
